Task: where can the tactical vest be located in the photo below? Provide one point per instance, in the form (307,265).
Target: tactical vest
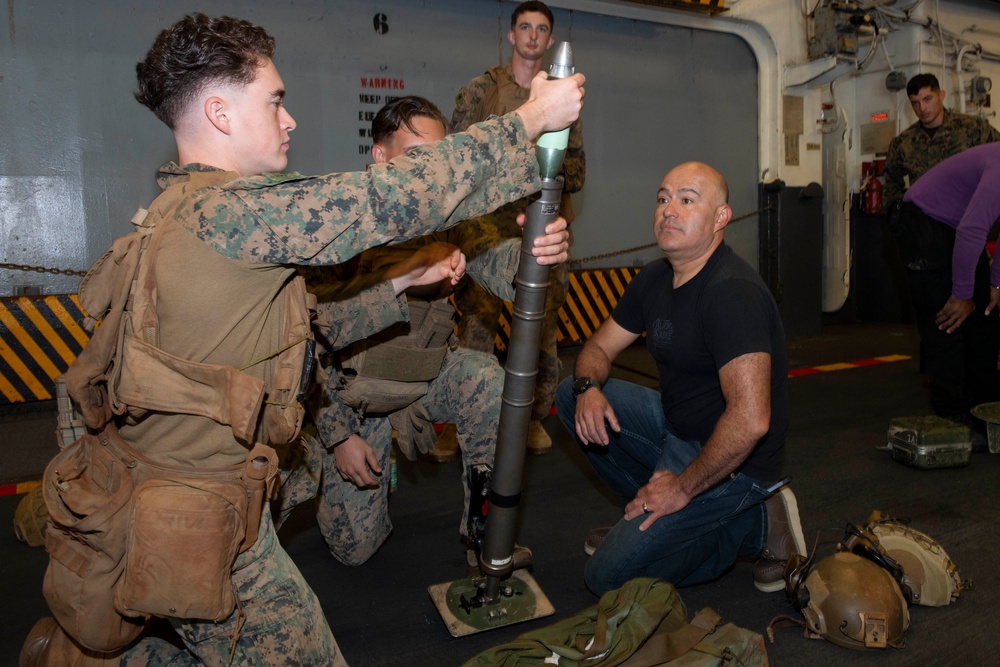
(122,368)
(390,370)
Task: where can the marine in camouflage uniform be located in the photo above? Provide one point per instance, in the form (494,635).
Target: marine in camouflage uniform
(241,237)
(915,150)
(406,377)
(221,274)
(495,93)
(355,521)
(952,361)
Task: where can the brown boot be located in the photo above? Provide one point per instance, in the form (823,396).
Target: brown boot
(35,651)
(594,539)
(539,441)
(48,645)
(446,448)
(784,540)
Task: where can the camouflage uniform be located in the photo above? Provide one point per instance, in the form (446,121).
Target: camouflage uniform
(220,273)
(355,522)
(496,93)
(958,365)
(914,151)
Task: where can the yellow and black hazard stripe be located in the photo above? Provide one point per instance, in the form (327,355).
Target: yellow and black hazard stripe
(590,297)
(39,338)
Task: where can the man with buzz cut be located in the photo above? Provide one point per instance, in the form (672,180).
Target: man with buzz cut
(498,91)
(697,464)
(960,361)
(407,377)
(938,133)
(224,317)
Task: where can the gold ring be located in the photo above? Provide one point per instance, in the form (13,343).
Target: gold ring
(645,509)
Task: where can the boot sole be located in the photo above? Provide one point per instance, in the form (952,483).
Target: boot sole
(791,506)
(773,587)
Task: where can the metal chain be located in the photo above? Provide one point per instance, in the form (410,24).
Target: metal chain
(42,269)
(594,258)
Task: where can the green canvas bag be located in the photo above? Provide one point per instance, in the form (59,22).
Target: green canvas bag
(642,624)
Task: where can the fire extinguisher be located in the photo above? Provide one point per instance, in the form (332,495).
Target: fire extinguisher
(873,194)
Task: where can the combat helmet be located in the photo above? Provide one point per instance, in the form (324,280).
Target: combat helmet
(848,600)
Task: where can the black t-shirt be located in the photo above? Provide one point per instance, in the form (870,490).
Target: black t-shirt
(722,313)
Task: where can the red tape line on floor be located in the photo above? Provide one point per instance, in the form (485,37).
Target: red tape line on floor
(19,488)
(861,363)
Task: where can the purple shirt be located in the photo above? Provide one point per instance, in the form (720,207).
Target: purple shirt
(964,193)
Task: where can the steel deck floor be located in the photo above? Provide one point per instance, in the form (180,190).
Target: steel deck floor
(381,613)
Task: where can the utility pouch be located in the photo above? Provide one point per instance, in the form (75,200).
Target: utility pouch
(129,537)
(87,490)
(182,542)
(375,396)
(186,528)
(393,368)
(415,356)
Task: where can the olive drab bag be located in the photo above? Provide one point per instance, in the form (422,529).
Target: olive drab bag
(642,624)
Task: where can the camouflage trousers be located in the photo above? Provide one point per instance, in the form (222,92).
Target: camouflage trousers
(355,522)
(477,330)
(284,625)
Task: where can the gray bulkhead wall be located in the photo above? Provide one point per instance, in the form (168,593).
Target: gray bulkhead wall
(78,154)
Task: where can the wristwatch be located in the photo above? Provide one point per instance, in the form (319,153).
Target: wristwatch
(582,384)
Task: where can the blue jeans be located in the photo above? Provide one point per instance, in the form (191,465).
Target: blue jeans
(691,546)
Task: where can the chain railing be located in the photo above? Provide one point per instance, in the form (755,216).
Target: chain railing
(42,269)
(582,260)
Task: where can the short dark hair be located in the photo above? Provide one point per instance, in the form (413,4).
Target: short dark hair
(401,112)
(921,81)
(532,6)
(194,52)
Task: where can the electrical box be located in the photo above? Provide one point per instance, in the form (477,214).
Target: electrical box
(836,28)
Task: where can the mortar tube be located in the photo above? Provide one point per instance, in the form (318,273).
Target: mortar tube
(532,285)
(521,370)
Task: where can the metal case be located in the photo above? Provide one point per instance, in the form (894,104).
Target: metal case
(928,441)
